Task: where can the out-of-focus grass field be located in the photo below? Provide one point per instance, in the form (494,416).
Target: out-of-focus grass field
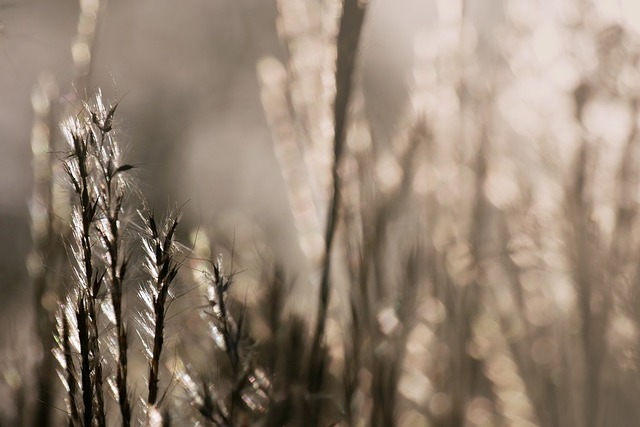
(483,264)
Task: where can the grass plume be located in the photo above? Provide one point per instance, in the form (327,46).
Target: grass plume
(159,246)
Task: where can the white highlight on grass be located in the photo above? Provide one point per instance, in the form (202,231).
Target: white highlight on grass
(501,187)
(388,321)
(388,173)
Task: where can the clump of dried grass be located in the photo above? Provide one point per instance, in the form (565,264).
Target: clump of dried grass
(80,167)
(93,315)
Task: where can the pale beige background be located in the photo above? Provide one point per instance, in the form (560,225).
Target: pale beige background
(190,110)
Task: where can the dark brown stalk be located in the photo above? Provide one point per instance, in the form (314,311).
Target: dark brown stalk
(82,137)
(353,13)
(85,350)
(111,200)
(163,270)
(78,169)
(123,398)
(96,365)
(230,330)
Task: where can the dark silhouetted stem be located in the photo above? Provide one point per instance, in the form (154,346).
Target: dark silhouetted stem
(348,36)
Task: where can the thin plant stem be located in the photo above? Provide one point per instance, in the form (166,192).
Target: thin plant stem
(159,251)
(353,14)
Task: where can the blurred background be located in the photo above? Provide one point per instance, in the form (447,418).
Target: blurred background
(191,111)
(523,185)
